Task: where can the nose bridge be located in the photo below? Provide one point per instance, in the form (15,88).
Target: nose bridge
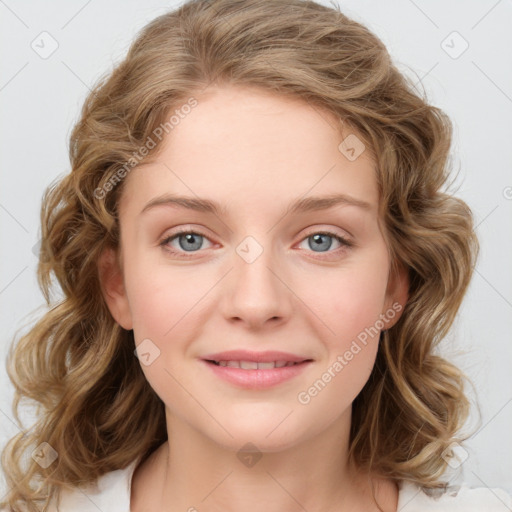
(257,294)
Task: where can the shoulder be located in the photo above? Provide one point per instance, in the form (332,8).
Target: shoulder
(111,492)
(413,498)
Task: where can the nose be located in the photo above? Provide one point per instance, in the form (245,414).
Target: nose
(257,293)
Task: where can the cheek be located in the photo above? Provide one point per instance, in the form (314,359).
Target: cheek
(348,299)
(160,298)
(350,306)
(152,308)
(162,305)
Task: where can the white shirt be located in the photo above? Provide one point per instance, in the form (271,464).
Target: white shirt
(112,494)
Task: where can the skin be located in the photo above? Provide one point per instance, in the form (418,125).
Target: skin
(254,153)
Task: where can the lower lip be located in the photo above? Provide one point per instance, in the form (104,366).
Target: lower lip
(257,379)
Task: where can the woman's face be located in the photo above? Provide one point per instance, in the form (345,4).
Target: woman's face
(256,275)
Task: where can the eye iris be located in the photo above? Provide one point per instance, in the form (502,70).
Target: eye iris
(190,238)
(318,243)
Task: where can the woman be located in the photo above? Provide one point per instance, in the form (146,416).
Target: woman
(258,260)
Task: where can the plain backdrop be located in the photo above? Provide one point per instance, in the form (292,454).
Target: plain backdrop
(460,51)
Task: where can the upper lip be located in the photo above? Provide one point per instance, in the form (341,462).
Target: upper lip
(259,357)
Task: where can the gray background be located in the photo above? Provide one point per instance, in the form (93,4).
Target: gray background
(40,100)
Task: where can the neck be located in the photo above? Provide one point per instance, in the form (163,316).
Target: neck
(191,472)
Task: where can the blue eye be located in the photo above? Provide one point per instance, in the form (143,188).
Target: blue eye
(192,241)
(322,241)
(189,241)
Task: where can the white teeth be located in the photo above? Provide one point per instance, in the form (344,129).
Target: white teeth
(253,365)
(249,365)
(266,366)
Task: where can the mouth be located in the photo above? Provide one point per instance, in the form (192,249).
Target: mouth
(269,370)
(256,365)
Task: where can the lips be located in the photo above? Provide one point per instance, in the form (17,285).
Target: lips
(256,370)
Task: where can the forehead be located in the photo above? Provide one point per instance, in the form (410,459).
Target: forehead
(251,148)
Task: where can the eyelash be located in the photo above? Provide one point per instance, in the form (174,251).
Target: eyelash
(345,244)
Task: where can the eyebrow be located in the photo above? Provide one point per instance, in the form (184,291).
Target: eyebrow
(301,205)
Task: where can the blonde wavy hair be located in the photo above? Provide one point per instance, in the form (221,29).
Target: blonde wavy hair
(94,405)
